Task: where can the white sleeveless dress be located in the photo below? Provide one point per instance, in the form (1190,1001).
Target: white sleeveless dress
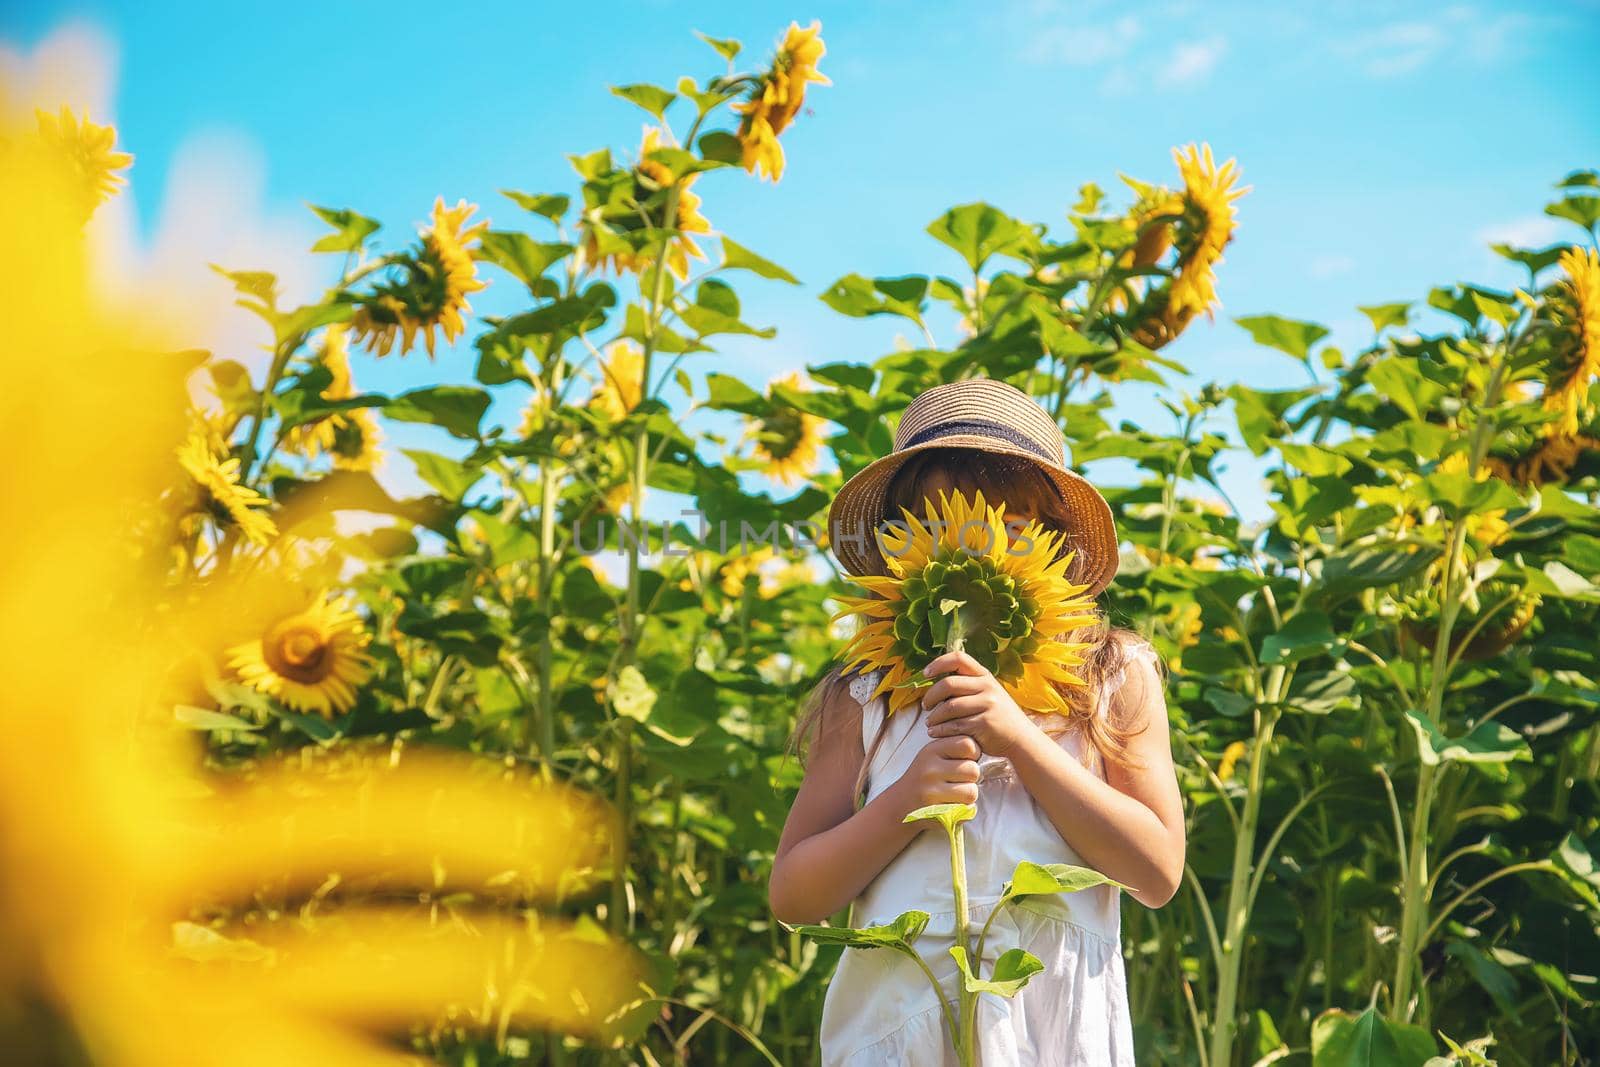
(880,1009)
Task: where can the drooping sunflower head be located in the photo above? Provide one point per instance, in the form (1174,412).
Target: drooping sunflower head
(1206,225)
(357,443)
(1552,459)
(1496,615)
(1574,349)
(310,439)
(88,152)
(777,97)
(428,288)
(961,576)
(313,660)
(216,491)
(1150,220)
(620,235)
(788,439)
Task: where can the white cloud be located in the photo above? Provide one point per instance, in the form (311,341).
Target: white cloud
(1082,46)
(1401,48)
(1131,54)
(213,210)
(74,66)
(1530,231)
(1192,62)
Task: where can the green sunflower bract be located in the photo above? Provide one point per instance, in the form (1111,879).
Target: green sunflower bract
(957,578)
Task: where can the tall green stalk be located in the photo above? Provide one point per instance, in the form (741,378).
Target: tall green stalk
(1236,919)
(547,567)
(1414,894)
(630,621)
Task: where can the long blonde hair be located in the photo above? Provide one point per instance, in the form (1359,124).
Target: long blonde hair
(1027,491)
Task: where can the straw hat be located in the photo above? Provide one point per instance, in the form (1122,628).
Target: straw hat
(985,414)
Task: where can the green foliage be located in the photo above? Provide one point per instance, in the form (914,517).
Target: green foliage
(1391,799)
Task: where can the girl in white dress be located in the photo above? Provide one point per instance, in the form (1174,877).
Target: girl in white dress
(1095,788)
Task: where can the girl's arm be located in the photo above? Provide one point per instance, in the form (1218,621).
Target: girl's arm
(1128,827)
(829,852)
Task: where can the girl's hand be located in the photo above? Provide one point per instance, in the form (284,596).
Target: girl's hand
(974,703)
(945,771)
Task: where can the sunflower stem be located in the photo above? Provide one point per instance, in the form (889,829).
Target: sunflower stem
(968,1016)
(967,1026)
(1407,1002)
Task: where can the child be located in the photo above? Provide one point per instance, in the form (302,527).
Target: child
(1096,788)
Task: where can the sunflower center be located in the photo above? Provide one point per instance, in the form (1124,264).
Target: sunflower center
(998,620)
(298,651)
(781,433)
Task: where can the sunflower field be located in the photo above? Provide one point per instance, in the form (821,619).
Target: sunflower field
(494,774)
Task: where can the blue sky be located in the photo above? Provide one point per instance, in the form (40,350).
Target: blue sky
(1386,143)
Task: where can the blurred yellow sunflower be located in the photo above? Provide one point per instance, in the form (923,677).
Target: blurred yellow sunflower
(312,661)
(773,573)
(1230,759)
(1488,528)
(618,497)
(1414,506)
(1575,361)
(741,566)
(429,289)
(350,436)
(357,442)
(592,565)
(218,492)
(88,151)
(621,381)
(1207,225)
(788,439)
(1187,626)
(961,575)
(658,175)
(777,98)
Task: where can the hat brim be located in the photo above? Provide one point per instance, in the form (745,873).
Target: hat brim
(858,508)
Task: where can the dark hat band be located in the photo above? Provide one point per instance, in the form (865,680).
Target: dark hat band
(982,428)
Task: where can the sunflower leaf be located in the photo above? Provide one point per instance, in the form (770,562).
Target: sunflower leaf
(1289,336)
(1342,1037)
(351,230)
(1382,315)
(1489,742)
(652,98)
(726,47)
(898,934)
(458,409)
(1011,972)
(979,231)
(1040,879)
(948,816)
(736,256)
